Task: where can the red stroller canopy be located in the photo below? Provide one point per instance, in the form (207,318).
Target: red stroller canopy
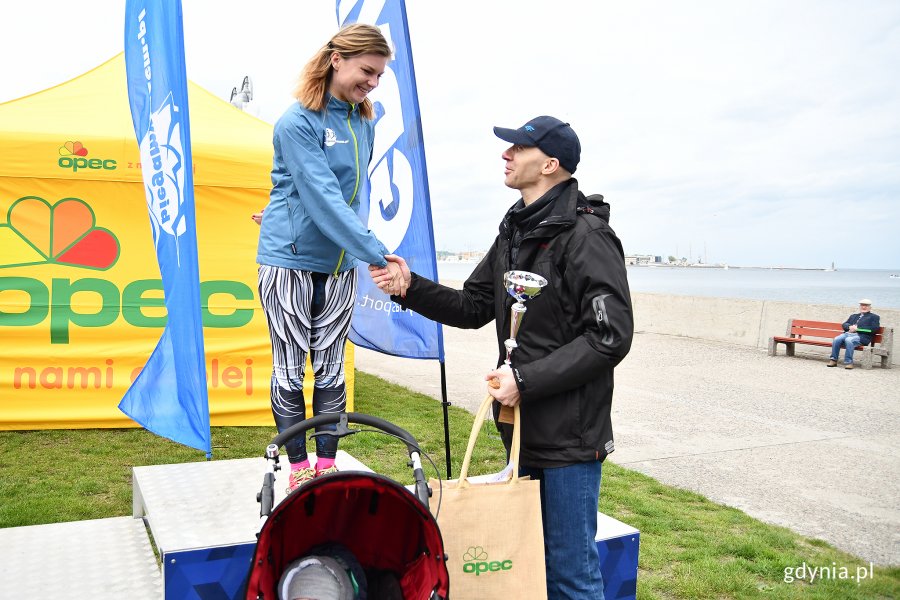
(382,523)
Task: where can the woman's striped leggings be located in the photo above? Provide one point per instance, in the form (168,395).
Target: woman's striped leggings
(308,315)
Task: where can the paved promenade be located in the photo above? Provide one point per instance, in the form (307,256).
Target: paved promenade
(786,440)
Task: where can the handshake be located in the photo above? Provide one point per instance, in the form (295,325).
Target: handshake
(394,278)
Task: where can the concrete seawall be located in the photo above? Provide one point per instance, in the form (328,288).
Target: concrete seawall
(735,320)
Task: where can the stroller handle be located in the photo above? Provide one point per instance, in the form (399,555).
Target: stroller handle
(337,418)
(266,495)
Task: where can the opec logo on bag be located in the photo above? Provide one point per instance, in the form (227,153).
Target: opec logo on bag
(475,560)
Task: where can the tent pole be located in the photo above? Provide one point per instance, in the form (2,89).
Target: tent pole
(445,404)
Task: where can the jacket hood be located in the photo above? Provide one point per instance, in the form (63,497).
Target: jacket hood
(570,203)
(593,204)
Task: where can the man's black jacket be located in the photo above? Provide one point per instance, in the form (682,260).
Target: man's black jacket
(571,336)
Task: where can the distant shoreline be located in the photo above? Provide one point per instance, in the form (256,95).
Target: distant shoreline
(703,266)
(841,287)
(708,266)
(671,266)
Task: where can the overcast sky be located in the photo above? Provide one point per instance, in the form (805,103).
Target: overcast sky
(757,132)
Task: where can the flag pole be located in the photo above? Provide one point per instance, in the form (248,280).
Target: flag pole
(445,404)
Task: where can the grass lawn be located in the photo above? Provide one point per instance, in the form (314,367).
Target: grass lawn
(690,547)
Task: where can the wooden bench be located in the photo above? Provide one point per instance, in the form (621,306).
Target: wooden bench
(822,333)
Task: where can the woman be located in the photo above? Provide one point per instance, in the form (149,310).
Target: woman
(311,236)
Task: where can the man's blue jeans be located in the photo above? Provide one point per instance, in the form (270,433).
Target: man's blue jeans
(849,341)
(569,498)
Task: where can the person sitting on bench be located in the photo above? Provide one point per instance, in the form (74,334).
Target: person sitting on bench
(858,331)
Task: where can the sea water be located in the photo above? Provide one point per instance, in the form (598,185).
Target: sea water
(841,287)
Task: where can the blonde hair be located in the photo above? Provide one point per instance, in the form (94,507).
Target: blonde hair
(350,41)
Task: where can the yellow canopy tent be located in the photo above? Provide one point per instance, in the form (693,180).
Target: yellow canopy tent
(81,303)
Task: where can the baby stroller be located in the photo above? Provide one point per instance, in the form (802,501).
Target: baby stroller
(385,530)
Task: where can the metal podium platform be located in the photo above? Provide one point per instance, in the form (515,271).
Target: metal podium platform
(203,518)
(618,545)
(99,559)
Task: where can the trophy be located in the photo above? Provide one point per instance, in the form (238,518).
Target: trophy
(522,286)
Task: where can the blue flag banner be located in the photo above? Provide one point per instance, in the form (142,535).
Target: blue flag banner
(169,397)
(395,199)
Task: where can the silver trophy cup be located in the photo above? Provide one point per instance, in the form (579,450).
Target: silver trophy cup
(522,286)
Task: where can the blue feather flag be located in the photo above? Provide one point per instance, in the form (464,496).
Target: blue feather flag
(395,198)
(169,397)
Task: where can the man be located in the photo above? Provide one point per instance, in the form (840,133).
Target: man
(570,339)
(859,329)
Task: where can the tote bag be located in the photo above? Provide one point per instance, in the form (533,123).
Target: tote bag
(493,535)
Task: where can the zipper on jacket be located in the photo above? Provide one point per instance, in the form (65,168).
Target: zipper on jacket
(356,185)
(290,219)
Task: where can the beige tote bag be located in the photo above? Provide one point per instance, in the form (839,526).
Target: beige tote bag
(492,532)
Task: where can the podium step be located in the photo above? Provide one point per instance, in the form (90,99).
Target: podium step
(211,503)
(98,559)
(204,518)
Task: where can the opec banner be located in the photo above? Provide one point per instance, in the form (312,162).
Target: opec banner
(395,200)
(81,297)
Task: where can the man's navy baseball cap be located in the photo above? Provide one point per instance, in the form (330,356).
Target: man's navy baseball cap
(555,139)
